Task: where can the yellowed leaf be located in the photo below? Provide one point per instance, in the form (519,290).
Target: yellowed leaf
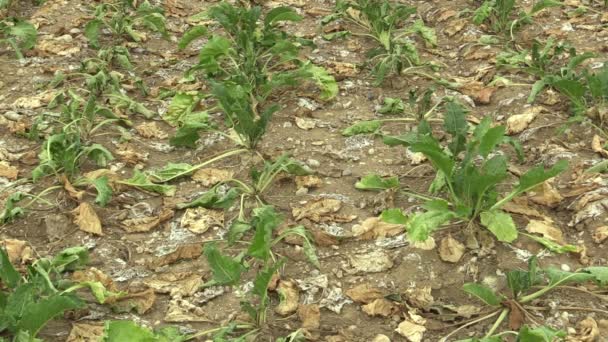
(145,224)
(546,194)
(600,234)
(141,302)
(86,219)
(381,307)
(309,182)
(411,331)
(151,130)
(18,251)
(183,252)
(519,122)
(83,332)
(598,146)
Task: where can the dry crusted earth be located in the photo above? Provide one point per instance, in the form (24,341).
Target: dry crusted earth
(162,267)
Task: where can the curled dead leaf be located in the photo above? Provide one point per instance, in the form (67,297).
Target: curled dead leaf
(426,245)
(479,92)
(310,316)
(455,26)
(519,122)
(587,331)
(374,227)
(450,249)
(94,274)
(308,182)
(321,210)
(364,293)
(209,176)
(545,229)
(305,123)
(381,307)
(182,310)
(72,192)
(374,261)
(198,220)
(598,146)
(290,297)
(180,284)
(86,219)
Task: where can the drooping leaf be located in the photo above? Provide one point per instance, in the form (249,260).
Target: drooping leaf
(539,334)
(553,246)
(421,225)
(181,105)
(427,33)
(213,200)
(599,272)
(226,270)
(394,216)
(281,13)
(392,106)
(25,33)
(36,315)
(11,211)
(363,127)
(191,35)
(141,181)
(375,182)
(70,259)
(171,171)
(8,274)
(91,31)
(104,191)
(564,277)
(500,224)
(324,80)
(485,294)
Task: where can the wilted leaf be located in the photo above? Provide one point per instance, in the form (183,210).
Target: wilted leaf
(546,230)
(226,270)
(375,182)
(144,224)
(151,130)
(18,251)
(140,180)
(86,219)
(547,194)
(141,302)
(500,224)
(310,316)
(484,293)
(450,249)
(8,171)
(182,252)
(374,227)
(83,332)
(363,127)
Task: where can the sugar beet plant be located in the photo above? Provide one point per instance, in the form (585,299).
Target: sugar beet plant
(469,169)
(387,24)
(247,65)
(526,286)
(18,34)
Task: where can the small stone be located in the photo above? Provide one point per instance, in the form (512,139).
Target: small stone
(381,338)
(565,268)
(313,163)
(301,191)
(287,124)
(347,172)
(371,151)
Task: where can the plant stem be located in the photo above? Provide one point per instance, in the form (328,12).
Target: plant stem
(499,320)
(546,289)
(207,162)
(210,331)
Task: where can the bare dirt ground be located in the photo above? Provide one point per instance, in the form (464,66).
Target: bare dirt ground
(164,266)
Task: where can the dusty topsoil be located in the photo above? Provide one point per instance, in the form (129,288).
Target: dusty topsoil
(163,266)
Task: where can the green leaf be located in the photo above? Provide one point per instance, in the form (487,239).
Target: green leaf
(485,294)
(324,80)
(191,35)
(518,281)
(599,272)
(537,87)
(226,270)
(537,175)
(394,216)
(539,334)
(213,200)
(70,259)
(482,12)
(392,106)
(421,225)
(265,220)
(180,107)
(307,245)
(427,33)
(141,181)
(8,274)
(36,315)
(237,230)
(428,146)
(155,22)
(363,127)
(375,182)
(281,13)
(262,280)
(125,102)
(500,224)
(91,31)
(490,140)
(573,89)
(211,52)
(563,277)
(335,35)
(104,191)
(11,211)
(118,331)
(170,172)
(25,33)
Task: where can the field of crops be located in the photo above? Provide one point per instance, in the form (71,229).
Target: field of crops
(292,170)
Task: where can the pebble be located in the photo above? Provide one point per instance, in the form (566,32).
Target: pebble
(13,116)
(287,124)
(313,163)
(371,151)
(302,191)
(347,172)
(381,338)
(565,268)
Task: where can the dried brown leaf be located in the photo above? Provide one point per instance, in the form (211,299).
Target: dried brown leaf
(199,220)
(420,297)
(310,316)
(374,227)
(145,224)
(18,251)
(364,293)
(86,219)
(151,130)
(411,331)
(545,229)
(141,302)
(72,192)
(381,307)
(321,210)
(598,146)
(450,249)
(8,171)
(546,194)
(181,284)
(290,297)
(183,252)
(600,234)
(83,332)
(309,182)
(209,176)
(455,26)
(479,92)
